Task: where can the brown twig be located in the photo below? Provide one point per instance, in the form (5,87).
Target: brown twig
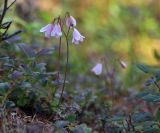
(7,27)
(14,34)
(4,11)
(5,8)
(11,4)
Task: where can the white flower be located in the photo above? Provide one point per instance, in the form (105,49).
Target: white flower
(97,69)
(56,32)
(123,64)
(47,30)
(77,37)
(70,21)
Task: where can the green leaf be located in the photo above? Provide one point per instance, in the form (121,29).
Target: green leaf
(143,68)
(54,105)
(4,88)
(151,98)
(85,128)
(116,118)
(4,85)
(142,117)
(61,123)
(158,115)
(9,104)
(71,118)
(157,76)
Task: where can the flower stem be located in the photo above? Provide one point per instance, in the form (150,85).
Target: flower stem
(59,57)
(66,68)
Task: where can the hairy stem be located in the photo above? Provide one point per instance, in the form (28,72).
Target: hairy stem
(59,57)
(66,68)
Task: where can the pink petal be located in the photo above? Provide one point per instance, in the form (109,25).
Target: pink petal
(45,28)
(70,21)
(97,69)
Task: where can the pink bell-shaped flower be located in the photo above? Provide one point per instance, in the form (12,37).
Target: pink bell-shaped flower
(77,37)
(70,22)
(47,30)
(56,32)
(123,64)
(97,69)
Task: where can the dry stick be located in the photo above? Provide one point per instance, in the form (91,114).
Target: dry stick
(65,74)
(5,8)
(11,4)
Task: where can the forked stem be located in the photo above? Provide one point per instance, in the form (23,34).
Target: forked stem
(66,68)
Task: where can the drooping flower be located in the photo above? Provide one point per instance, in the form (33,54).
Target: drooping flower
(47,30)
(52,30)
(123,64)
(97,69)
(77,37)
(56,32)
(70,22)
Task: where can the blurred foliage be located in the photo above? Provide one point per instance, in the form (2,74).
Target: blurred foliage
(124,27)
(115,30)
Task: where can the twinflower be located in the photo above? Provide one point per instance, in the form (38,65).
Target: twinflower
(52,30)
(97,69)
(70,22)
(77,37)
(56,32)
(47,30)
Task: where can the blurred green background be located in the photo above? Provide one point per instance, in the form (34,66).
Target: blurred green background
(127,30)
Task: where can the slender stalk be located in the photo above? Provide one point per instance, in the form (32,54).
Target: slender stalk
(59,57)
(66,68)
(11,4)
(130,121)
(59,49)
(4,11)
(9,24)
(110,83)
(12,35)
(157,85)
(124,127)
